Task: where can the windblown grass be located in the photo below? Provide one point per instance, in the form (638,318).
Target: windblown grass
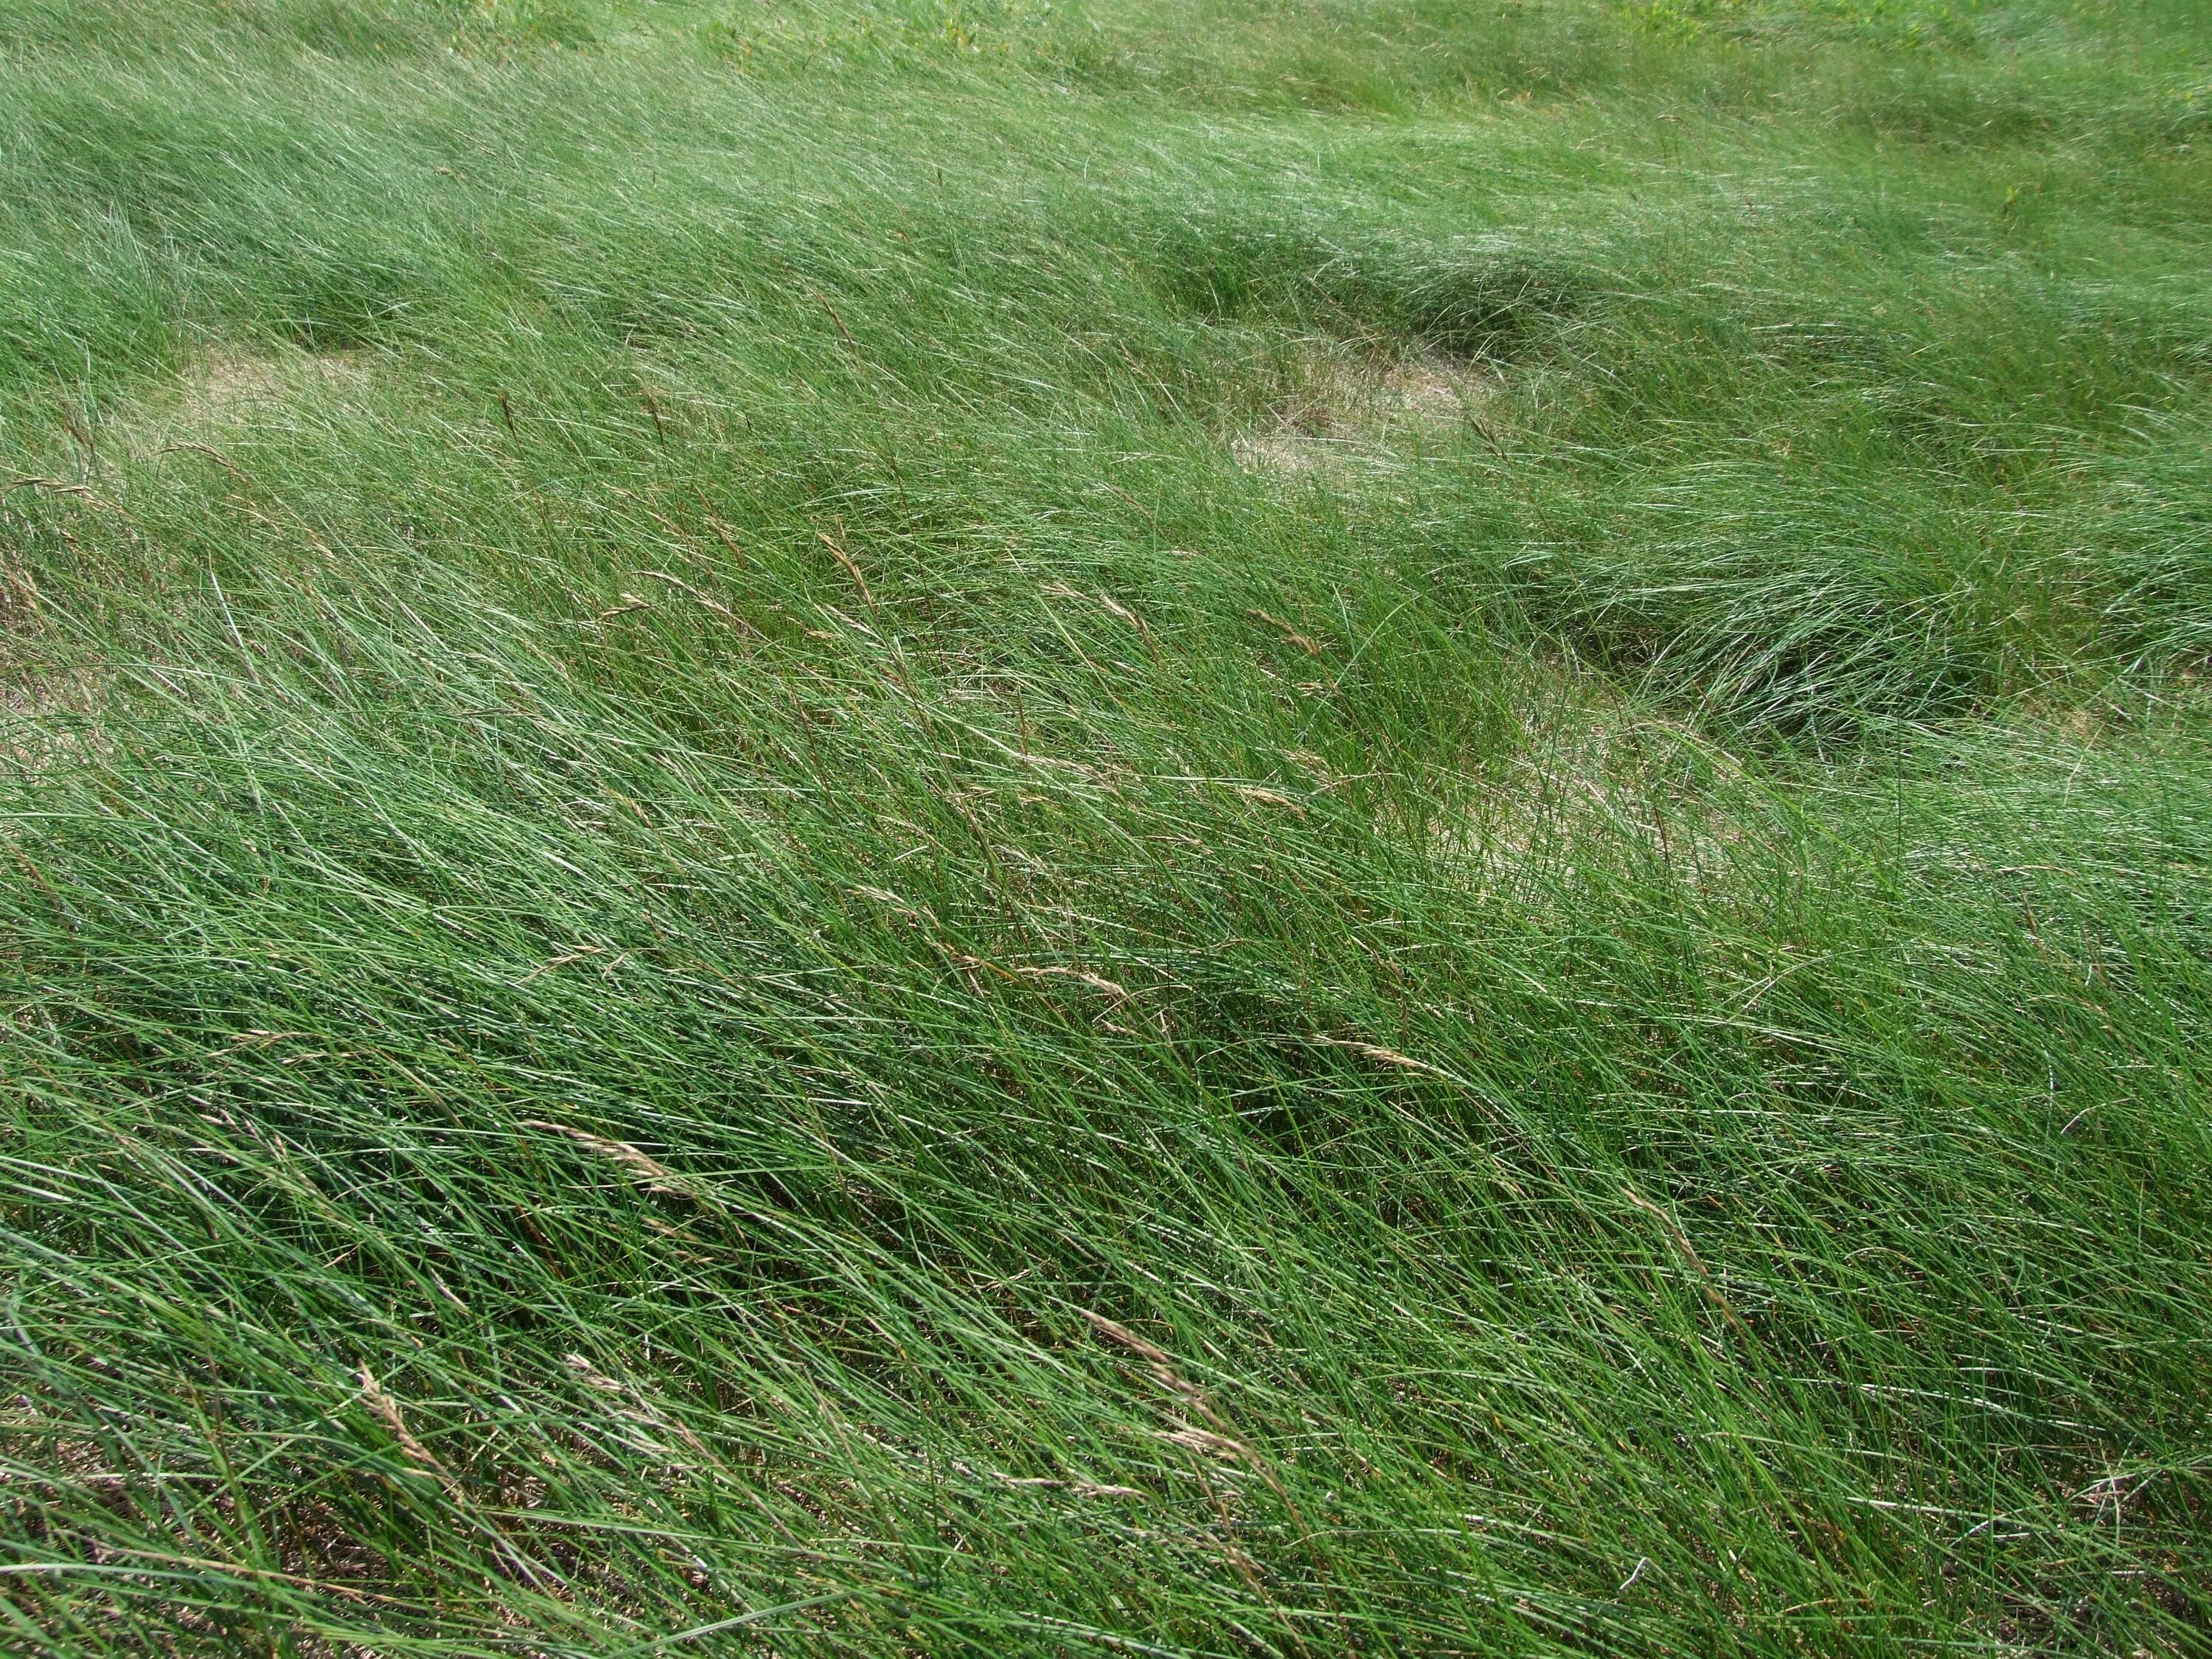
(730,926)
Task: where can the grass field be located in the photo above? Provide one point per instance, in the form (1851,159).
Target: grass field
(1151,826)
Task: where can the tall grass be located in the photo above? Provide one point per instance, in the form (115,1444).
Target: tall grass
(1172,829)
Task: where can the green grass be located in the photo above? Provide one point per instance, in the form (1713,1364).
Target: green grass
(1159,827)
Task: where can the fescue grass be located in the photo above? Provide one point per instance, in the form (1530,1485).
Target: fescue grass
(1165,827)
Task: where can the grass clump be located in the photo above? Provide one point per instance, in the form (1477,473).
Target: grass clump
(1172,828)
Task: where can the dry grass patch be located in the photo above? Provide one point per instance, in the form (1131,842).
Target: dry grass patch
(1595,778)
(1341,411)
(228,389)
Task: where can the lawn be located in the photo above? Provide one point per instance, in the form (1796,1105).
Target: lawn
(1141,827)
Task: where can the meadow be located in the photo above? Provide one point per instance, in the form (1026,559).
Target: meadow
(1139,827)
